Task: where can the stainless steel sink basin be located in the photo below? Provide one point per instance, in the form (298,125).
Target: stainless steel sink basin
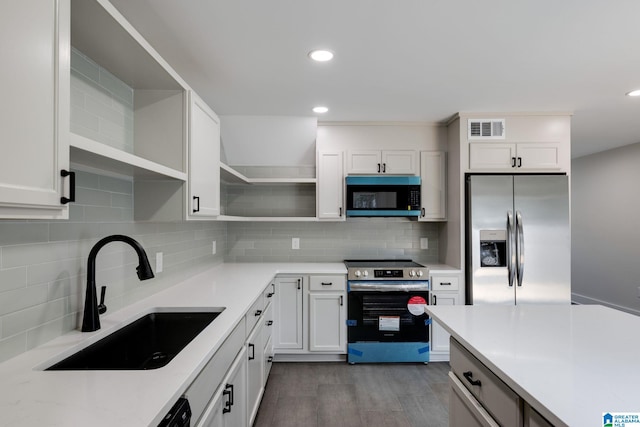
(150,342)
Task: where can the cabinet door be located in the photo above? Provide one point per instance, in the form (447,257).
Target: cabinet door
(327,322)
(34,112)
(255,374)
(364,161)
(538,156)
(330,186)
(399,162)
(204,160)
(491,156)
(433,193)
(287,320)
(228,407)
(439,336)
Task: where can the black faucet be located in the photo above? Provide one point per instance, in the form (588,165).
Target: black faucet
(91,319)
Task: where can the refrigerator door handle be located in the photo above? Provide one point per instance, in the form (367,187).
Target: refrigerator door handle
(520,247)
(511,254)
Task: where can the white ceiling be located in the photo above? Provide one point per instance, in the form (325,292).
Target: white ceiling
(408,60)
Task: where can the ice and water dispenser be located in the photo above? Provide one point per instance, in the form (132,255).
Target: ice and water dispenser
(493,248)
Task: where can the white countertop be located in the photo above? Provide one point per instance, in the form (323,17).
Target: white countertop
(30,396)
(571,363)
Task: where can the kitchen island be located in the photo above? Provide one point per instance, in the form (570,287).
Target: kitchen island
(31,396)
(570,363)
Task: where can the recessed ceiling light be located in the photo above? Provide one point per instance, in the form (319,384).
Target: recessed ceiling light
(321,55)
(634,93)
(320,110)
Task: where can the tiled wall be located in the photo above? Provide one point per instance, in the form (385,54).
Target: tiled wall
(43,264)
(357,238)
(101,104)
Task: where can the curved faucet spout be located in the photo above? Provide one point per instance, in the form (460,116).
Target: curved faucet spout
(91,318)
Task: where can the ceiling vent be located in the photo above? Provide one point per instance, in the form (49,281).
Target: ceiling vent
(486,128)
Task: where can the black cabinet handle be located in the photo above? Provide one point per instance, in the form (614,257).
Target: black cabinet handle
(72,186)
(469,376)
(384,167)
(257,313)
(270,294)
(519,162)
(299,284)
(513,162)
(378,167)
(341,300)
(326,283)
(445,283)
(269,322)
(435,300)
(197,200)
(270,359)
(423,212)
(252,347)
(228,391)
(340,211)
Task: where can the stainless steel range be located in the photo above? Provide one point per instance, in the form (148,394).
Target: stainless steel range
(386,316)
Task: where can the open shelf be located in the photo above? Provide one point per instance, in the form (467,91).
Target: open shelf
(232,176)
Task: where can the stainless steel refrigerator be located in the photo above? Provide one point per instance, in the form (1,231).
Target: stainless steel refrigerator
(518,239)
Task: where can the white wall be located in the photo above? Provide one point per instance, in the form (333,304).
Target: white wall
(605,199)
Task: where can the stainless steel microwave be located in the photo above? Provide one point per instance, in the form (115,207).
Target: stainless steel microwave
(373,195)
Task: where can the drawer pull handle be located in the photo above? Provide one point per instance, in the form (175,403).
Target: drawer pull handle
(72,186)
(252,347)
(269,322)
(326,284)
(445,283)
(257,313)
(270,294)
(270,359)
(469,376)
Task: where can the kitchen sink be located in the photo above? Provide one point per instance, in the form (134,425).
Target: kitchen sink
(149,342)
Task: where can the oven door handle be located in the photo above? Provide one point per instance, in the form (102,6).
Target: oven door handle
(387,287)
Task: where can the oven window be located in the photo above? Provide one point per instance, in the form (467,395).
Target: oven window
(385,316)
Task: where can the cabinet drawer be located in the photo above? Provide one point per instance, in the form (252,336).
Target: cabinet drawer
(327,283)
(268,323)
(494,395)
(269,293)
(200,391)
(444,283)
(254,314)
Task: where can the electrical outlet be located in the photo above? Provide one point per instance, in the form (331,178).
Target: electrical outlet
(159,262)
(424,243)
(213,247)
(295,243)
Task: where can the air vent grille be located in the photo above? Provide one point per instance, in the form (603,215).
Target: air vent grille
(486,128)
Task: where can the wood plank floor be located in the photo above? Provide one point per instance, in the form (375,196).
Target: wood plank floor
(367,395)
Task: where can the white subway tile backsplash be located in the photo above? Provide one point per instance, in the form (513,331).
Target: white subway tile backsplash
(13,278)
(19,299)
(13,345)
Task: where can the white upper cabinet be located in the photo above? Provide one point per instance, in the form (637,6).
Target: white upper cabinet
(391,162)
(330,186)
(35,52)
(514,157)
(433,189)
(204,160)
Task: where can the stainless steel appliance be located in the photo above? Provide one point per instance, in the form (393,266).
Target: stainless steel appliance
(518,239)
(383,196)
(386,316)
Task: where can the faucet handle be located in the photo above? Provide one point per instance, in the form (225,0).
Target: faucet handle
(101,307)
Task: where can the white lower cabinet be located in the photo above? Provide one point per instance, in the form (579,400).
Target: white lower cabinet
(327,314)
(255,371)
(228,407)
(445,290)
(287,333)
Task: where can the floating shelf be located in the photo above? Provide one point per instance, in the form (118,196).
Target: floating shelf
(232,176)
(94,154)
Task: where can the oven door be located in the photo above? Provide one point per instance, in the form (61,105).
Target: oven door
(387,316)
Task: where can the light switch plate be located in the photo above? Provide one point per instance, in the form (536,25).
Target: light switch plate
(424,243)
(159,262)
(295,243)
